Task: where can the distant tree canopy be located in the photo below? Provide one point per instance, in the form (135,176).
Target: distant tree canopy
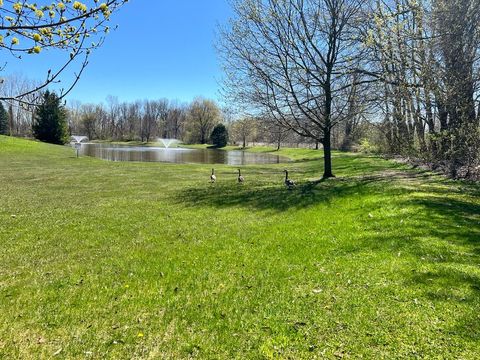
(75,27)
(202,116)
(3,120)
(219,137)
(51,120)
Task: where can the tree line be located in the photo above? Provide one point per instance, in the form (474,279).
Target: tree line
(146,120)
(194,122)
(142,120)
(427,53)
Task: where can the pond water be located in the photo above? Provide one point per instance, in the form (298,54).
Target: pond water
(177,155)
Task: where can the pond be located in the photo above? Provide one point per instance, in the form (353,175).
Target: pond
(177,155)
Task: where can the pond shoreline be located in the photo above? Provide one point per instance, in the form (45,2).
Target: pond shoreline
(155,152)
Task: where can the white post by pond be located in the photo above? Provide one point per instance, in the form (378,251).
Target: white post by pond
(77,141)
(77,147)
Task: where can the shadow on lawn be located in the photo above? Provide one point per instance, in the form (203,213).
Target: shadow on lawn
(274,196)
(444,233)
(447,277)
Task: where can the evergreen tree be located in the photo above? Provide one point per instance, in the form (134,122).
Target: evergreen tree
(51,120)
(219,136)
(3,120)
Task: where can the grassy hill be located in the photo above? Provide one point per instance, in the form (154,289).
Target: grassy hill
(148,260)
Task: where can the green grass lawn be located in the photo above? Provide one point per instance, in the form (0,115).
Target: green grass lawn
(151,261)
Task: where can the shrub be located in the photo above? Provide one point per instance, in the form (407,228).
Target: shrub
(219,136)
(367,147)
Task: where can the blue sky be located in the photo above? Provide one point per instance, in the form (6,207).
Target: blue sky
(162,48)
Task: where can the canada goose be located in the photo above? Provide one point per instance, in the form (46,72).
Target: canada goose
(241,179)
(288,182)
(213,178)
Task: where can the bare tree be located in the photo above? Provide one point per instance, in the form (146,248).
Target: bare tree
(74,115)
(176,120)
(163,107)
(428,55)
(89,123)
(458,24)
(113,110)
(294,59)
(21,114)
(202,116)
(243,129)
(151,114)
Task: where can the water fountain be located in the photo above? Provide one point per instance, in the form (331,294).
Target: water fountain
(168,142)
(77,142)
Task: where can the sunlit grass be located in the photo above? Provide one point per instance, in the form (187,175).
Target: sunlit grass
(146,260)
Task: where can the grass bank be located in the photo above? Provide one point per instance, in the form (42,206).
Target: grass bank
(145,260)
(291,153)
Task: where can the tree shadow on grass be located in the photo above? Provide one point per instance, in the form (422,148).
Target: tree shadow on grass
(454,221)
(445,238)
(441,230)
(273,196)
(442,287)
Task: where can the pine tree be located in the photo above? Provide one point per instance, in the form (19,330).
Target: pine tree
(50,120)
(219,136)
(3,120)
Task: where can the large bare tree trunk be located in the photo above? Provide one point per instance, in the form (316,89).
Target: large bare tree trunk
(327,150)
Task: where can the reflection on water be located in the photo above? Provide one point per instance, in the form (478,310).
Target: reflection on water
(177,155)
